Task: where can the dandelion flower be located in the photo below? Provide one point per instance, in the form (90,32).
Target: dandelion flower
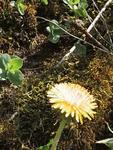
(72,99)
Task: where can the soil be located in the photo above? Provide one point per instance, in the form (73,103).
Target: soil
(27,120)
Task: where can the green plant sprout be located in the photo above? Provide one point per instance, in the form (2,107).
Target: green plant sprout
(10,68)
(45,2)
(46,147)
(52,144)
(54,32)
(109,141)
(77,6)
(20,5)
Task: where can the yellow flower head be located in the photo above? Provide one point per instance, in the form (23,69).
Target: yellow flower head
(74,100)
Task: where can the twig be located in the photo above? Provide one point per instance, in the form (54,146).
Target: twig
(82,29)
(80,39)
(88,30)
(98,16)
(90,19)
(62,29)
(109,127)
(104,22)
(13,116)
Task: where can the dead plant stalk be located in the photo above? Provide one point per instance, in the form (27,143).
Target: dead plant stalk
(92,25)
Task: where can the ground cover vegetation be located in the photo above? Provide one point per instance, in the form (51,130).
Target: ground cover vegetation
(56,74)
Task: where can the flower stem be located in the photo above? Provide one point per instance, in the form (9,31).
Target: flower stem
(58,134)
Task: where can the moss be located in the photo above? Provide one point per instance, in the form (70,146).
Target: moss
(35,116)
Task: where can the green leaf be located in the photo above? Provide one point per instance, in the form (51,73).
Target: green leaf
(73,2)
(83,4)
(54,24)
(12,3)
(80,50)
(108,142)
(15,64)
(45,2)
(9,68)
(48,29)
(2,74)
(46,147)
(21,6)
(4,59)
(77,6)
(15,77)
(54,32)
(80,12)
(54,39)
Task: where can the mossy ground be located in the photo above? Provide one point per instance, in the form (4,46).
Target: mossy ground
(35,122)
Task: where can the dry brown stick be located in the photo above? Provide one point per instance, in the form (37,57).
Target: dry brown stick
(88,35)
(88,30)
(99,34)
(98,16)
(104,22)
